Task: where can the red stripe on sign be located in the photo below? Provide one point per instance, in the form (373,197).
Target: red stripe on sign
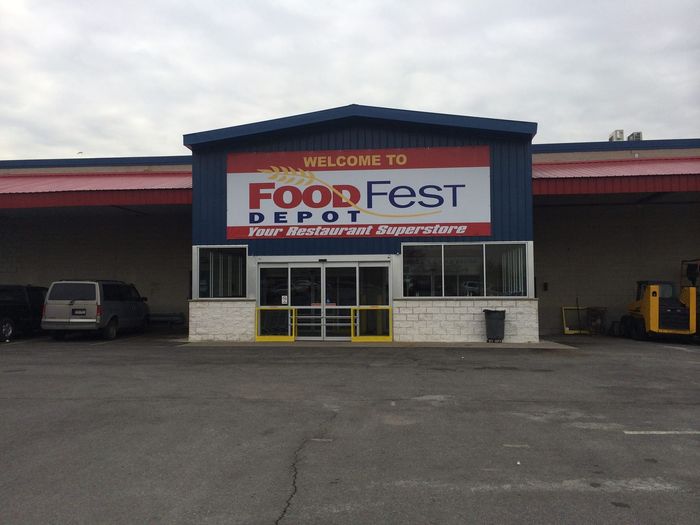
(364,159)
(458,229)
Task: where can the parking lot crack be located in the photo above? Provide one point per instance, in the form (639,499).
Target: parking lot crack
(319,434)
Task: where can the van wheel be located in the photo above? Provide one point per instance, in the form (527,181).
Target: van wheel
(7,329)
(110,331)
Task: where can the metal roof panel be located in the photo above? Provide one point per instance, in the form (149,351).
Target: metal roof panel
(617,168)
(365,112)
(621,145)
(67,182)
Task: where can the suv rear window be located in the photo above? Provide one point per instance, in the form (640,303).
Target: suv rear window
(11,295)
(72,292)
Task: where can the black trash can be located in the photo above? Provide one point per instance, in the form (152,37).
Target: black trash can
(495,325)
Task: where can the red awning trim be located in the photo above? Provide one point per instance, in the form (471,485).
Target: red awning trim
(96,198)
(619,176)
(608,185)
(62,182)
(617,168)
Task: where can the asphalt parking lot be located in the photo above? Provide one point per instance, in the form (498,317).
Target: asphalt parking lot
(154,430)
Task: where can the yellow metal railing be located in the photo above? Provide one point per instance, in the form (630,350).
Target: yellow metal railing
(291,334)
(358,335)
(358,322)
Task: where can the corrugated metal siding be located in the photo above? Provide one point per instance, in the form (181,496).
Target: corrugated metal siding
(611,185)
(511,191)
(95,198)
(209,197)
(94,182)
(617,168)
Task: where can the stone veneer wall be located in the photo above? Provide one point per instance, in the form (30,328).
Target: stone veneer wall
(222,320)
(462,320)
(415,320)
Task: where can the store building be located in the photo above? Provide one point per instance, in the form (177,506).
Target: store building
(365,224)
(347,241)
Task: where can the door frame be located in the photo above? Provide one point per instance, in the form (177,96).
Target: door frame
(343,261)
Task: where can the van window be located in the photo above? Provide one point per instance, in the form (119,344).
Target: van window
(113,292)
(132,294)
(72,292)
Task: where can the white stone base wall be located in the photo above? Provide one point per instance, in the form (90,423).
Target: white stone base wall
(222,320)
(462,320)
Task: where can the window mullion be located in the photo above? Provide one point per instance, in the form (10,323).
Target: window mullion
(442,251)
(483,258)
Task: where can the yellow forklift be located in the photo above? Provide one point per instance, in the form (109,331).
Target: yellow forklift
(659,311)
(690,271)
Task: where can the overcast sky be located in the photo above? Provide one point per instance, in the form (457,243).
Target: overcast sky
(129,78)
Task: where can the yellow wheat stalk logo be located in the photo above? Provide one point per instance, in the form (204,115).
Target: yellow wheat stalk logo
(301,177)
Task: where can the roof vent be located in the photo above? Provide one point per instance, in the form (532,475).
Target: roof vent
(617,135)
(637,135)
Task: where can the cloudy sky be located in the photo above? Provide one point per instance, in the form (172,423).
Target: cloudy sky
(129,78)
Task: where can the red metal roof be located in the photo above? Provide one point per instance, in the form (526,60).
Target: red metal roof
(619,176)
(40,190)
(48,183)
(617,168)
(95,189)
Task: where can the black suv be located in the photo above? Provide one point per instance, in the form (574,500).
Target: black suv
(20,309)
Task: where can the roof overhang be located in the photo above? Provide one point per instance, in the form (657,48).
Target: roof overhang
(611,177)
(95,198)
(620,145)
(95,182)
(355,111)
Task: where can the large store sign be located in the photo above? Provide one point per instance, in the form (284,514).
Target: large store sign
(417,192)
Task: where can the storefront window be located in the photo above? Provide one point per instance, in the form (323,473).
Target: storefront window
(464,270)
(505,270)
(470,270)
(422,271)
(222,272)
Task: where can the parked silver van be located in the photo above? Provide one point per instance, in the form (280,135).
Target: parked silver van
(104,306)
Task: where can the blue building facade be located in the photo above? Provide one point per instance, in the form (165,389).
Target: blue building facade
(491,261)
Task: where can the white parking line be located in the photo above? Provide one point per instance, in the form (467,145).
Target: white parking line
(662,432)
(689,350)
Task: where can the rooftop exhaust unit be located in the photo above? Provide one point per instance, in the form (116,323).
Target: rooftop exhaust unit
(637,135)
(617,136)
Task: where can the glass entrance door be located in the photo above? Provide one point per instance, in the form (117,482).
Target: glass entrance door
(323,295)
(307,297)
(340,296)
